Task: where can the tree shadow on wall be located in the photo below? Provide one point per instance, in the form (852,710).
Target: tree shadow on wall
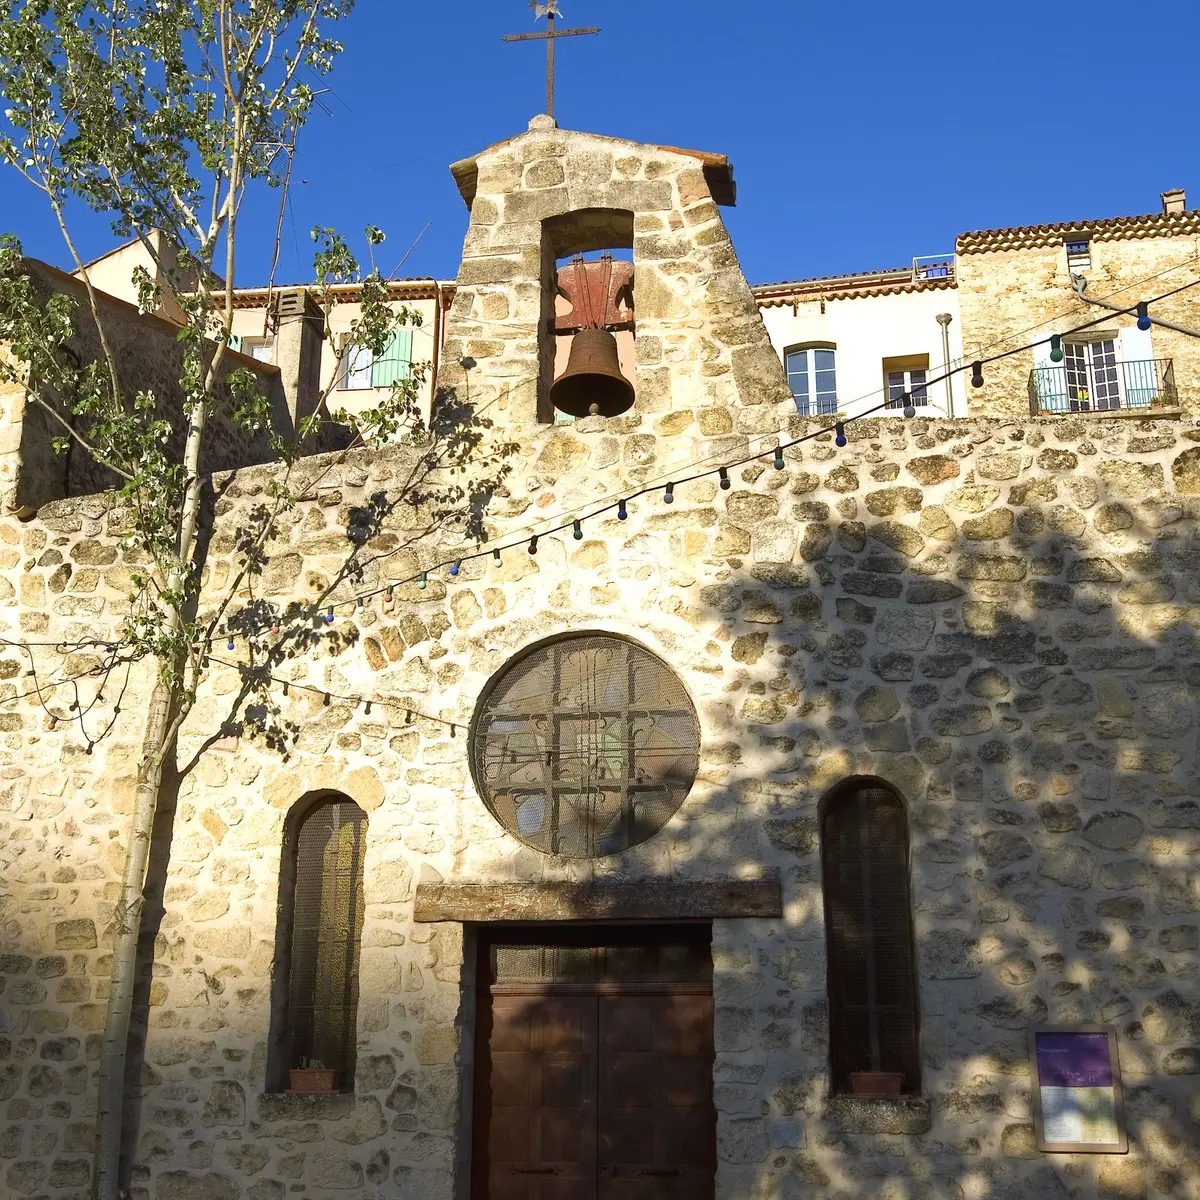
(1032,699)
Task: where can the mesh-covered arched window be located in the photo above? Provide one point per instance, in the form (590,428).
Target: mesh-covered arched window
(873,1021)
(321,920)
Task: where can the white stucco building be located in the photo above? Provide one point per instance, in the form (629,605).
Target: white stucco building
(851,343)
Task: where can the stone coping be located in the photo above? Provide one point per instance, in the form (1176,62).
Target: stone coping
(905,1114)
(630,900)
(305,1106)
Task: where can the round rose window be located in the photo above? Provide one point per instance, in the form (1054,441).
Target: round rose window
(585,746)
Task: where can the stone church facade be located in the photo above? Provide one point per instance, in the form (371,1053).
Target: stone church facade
(985,627)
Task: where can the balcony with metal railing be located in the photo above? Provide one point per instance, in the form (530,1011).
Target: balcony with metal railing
(1116,387)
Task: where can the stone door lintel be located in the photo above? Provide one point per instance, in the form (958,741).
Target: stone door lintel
(644,900)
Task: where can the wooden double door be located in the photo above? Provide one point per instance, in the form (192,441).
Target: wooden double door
(594,1066)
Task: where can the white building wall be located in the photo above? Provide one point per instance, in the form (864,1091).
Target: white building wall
(867,330)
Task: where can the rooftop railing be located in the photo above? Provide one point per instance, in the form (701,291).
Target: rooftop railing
(933,266)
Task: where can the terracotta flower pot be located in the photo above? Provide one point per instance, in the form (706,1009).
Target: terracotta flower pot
(312,1080)
(874,1085)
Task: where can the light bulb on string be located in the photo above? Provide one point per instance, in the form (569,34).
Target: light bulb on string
(1056,350)
(723,474)
(779,458)
(362,602)
(839,434)
(669,494)
(229,644)
(909,410)
(977,374)
(622,513)
(496,556)
(329,615)
(422,580)
(325,701)
(1143,316)
(533,544)
(456,566)
(577,530)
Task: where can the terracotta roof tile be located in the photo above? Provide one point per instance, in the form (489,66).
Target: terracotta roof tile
(854,286)
(1027,237)
(413,288)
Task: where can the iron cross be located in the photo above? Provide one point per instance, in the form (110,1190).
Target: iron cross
(549,10)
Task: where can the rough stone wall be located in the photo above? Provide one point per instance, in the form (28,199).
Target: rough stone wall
(700,337)
(1006,294)
(996,616)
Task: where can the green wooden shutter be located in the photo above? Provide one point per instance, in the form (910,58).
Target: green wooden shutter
(393,365)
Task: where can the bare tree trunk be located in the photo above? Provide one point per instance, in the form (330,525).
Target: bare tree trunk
(111,1091)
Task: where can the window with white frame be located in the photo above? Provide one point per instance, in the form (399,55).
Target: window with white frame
(361,369)
(262,349)
(812,376)
(906,376)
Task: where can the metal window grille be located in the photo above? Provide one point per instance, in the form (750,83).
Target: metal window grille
(873,1020)
(585,746)
(327,920)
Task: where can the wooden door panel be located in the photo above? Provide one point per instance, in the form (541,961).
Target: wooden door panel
(683,1026)
(563,1083)
(682,1079)
(539,1081)
(628,1027)
(657,1124)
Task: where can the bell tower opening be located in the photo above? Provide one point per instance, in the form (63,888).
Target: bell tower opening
(586,361)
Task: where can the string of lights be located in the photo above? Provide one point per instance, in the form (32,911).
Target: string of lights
(573,522)
(667,475)
(328,696)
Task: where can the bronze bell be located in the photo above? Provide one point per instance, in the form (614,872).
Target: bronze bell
(592,384)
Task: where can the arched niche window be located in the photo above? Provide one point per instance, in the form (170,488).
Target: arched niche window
(587,286)
(315,983)
(873,1018)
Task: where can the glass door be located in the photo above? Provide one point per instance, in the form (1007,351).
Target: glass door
(1093,377)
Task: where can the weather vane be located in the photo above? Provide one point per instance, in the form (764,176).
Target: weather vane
(549,10)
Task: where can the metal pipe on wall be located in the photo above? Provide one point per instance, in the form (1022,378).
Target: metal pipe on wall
(1079,283)
(944,319)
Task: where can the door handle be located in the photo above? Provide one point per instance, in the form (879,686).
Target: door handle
(660,1171)
(535,1170)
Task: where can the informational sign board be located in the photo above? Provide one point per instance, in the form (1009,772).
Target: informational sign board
(1078,1106)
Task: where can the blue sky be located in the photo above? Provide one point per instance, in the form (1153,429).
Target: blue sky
(861,134)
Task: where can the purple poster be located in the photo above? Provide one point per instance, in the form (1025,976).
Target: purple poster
(1074,1060)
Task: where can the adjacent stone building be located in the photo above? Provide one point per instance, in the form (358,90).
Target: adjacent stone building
(560,844)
